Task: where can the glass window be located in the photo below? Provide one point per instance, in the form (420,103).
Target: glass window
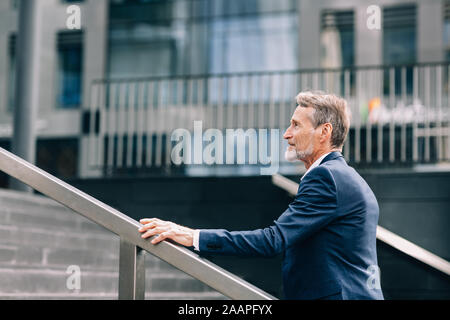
(189,37)
(399,34)
(337,48)
(399,43)
(70,56)
(134,51)
(201,36)
(254,42)
(337,39)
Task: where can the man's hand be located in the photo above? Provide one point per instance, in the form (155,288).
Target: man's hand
(166,230)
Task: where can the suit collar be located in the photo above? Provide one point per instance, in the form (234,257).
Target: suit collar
(329,156)
(333,155)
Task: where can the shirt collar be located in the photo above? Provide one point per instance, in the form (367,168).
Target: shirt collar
(315,164)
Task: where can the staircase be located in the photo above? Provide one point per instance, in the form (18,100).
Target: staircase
(40,239)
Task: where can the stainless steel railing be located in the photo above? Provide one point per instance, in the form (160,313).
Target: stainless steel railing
(400,113)
(132,246)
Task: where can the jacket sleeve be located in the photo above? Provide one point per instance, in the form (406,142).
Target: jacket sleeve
(314,207)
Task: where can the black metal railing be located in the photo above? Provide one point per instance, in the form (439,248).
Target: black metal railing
(400,113)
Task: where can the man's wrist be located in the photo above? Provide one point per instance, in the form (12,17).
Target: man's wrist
(196,239)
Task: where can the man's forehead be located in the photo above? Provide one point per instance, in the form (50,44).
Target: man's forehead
(301,113)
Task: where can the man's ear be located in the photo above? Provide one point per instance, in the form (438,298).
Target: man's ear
(327,129)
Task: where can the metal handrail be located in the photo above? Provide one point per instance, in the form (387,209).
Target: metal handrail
(127,228)
(267,72)
(383,234)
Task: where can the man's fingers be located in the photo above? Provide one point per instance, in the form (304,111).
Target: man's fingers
(147,226)
(147,234)
(154,226)
(152,232)
(161,237)
(147,220)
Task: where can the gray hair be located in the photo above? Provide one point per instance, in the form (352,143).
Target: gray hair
(328,108)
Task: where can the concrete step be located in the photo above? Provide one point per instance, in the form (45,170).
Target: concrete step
(48,248)
(94,259)
(35,281)
(114,296)
(40,239)
(61,219)
(44,256)
(32,210)
(38,235)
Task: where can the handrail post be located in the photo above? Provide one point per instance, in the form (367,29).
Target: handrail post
(131,272)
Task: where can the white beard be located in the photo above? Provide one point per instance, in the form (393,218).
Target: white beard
(292,155)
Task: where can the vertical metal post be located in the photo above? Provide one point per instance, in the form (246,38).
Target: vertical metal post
(94,102)
(438,107)
(220,102)
(169,124)
(403,132)
(140,122)
(229,106)
(271,122)
(131,123)
(121,112)
(240,103)
(131,272)
(347,97)
(415,101)
(380,124)
(358,116)
(251,103)
(427,99)
(102,126)
(369,74)
(150,124)
(27,85)
(112,123)
(261,106)
(392,109)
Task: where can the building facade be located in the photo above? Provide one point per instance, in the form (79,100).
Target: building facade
(181,40)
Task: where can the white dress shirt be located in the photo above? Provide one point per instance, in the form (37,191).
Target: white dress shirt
(315,164)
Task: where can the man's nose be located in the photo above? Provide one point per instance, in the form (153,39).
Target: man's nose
(287,134)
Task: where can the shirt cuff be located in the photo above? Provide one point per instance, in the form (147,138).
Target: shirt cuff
(196,240)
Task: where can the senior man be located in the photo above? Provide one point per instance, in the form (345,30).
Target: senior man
(327,234)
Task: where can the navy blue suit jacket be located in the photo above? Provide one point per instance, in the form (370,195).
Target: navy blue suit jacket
(327,234)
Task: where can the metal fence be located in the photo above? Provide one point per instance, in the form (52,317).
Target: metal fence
(400,114)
